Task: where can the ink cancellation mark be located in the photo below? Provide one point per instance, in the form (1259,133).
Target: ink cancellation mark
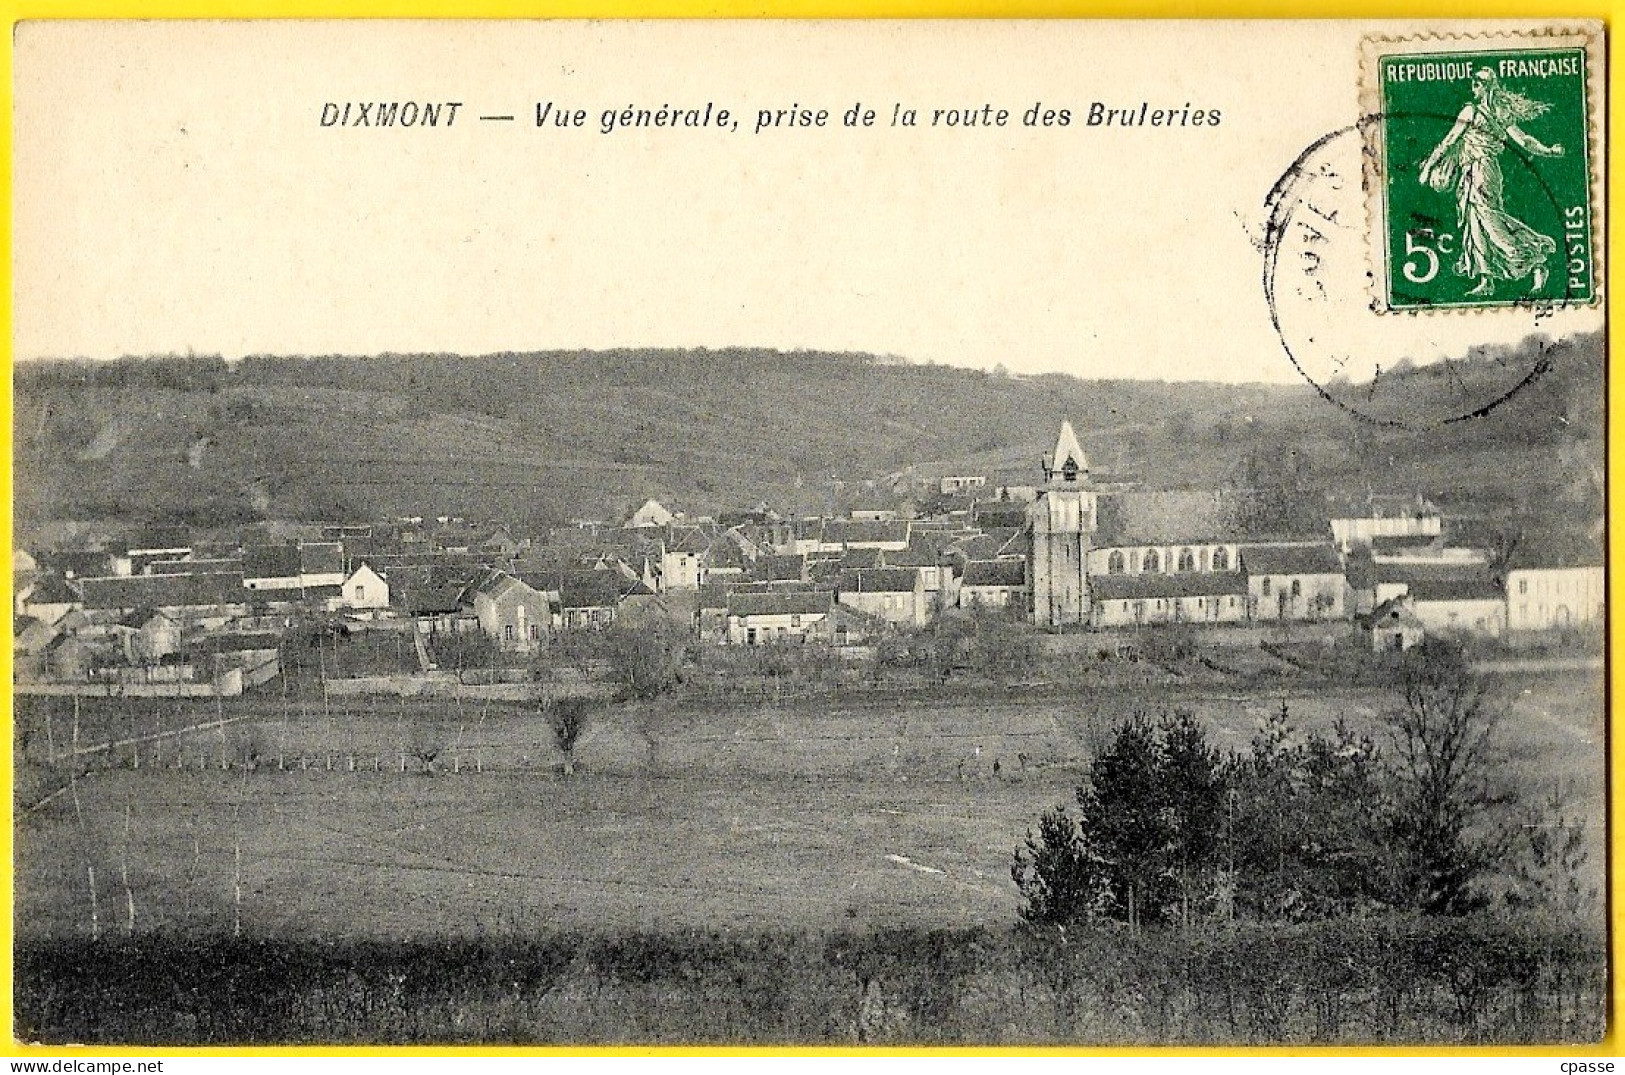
(1316,280)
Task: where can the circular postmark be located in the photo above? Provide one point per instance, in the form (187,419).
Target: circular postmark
(1326,264)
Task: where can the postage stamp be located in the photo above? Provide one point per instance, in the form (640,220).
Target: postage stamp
(1480,169)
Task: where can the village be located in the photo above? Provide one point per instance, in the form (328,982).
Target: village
(165,612)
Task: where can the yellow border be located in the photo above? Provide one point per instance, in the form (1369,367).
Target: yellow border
(1605,10)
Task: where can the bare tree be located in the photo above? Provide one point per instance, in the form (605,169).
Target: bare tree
(1445,779)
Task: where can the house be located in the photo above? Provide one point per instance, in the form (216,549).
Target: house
(501,543)
(999,515)
(856,559)
(147,636)
(431,595)
(196,601)
(1359,521)
(29,642)
(757,619)
(321,564)
(365,589)
(894,594)
(70,657)
(841,534)
(272,567)
(1548,593)
(652,514)
(48,598)
(209,566)
(682,558)
(873,513)
(994,584)
(510,612)
(1474,606)
(1394,578)
(83,563)
(940,579)
(779,569)
(959,483)
(1134,600)
(159,543)
(1423,550)
(1293,581)
(592,600)
(1393,627)
(726,557)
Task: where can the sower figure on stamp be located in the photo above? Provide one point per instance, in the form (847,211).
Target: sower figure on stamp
(1494,244)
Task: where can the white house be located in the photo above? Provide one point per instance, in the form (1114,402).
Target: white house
(1394,627)
(365,589)
(894,594)
(1555,598)
(652,514)
(994,584)
(1386,517)
(757,619)
(1466,606)
(1293,582)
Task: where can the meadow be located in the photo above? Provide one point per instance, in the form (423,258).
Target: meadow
(742,832)
(678,815)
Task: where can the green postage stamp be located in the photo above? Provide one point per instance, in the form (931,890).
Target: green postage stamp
(1480,158)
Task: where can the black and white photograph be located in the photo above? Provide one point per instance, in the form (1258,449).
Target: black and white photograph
(801,534)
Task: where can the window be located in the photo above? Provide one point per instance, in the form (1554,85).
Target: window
(1114,563)
(1152,562)
(1187,560)
(1523,585)
(1297,588)
(533,632)
(507,632)
(1265,589)
(360,593)
(1221,559)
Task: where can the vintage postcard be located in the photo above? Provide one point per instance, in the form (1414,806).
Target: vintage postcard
(809,533)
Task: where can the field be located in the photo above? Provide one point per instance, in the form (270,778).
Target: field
(806,815)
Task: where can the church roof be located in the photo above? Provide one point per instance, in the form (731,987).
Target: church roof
(1067,447)
(1290,560)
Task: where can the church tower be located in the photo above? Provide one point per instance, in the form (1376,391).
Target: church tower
(1062,518)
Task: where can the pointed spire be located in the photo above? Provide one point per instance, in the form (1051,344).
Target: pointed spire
(1068,463)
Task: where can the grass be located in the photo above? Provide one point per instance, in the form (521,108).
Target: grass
(1395,979)
(753,816)
(821,871)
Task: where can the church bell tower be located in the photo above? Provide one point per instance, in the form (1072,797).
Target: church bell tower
(1062,518)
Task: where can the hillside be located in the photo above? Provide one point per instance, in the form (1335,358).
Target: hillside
(537,438)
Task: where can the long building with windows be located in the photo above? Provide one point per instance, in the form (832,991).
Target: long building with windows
(1111,557)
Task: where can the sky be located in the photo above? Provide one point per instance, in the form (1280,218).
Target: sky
(176,191)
